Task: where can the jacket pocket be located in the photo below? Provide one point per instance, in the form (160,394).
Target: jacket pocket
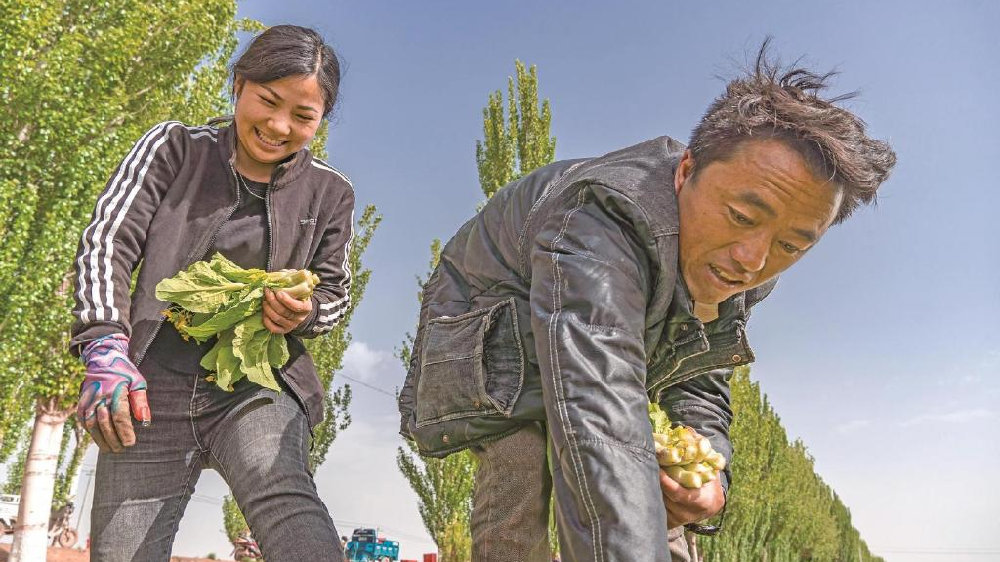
(470,365)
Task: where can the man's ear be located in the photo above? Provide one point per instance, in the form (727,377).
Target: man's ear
(685,168)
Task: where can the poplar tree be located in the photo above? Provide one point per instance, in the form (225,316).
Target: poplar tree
(514,143)
(79,82)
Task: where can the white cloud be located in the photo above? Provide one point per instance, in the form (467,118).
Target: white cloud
(851,426)
(959,416)
(362,362)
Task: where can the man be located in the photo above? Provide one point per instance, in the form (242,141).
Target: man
(589,287)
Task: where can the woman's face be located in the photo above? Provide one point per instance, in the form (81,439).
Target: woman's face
(275,119)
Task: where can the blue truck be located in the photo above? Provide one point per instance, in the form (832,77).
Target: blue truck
(366,546)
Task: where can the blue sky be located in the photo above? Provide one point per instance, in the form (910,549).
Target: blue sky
(880,349)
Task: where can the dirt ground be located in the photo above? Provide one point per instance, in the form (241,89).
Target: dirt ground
(74,555)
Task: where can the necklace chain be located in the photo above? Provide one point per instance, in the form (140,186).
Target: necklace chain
(243,182)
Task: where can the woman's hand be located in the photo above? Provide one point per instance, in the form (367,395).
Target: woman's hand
(112,392)
(283,313)
(688,506)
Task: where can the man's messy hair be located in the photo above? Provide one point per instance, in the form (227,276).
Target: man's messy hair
(774,102)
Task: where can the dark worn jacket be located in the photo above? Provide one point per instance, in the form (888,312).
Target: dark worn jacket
(562,301)
(163,207)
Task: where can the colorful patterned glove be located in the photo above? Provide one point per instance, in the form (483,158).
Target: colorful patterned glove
(109,373)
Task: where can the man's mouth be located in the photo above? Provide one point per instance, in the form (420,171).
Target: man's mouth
(267,140)
(726,278)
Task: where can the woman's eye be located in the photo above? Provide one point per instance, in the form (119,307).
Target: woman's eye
(306,118)
(267,101)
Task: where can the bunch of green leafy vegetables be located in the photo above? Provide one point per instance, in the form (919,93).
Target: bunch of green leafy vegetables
(218,298)
(658,419)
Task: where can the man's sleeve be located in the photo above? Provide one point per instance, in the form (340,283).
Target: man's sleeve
(332,297)
(589,289)
(703,404)
(113,242)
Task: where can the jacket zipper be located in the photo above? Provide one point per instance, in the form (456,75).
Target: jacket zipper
(159,323)
(270,256)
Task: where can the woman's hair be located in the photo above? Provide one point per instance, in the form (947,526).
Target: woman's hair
(769,102)
(290,50)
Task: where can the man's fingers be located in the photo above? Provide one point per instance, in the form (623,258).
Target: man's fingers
(672,490)
(687,506)
(107,430)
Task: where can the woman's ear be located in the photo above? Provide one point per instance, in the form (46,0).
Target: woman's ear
(238,83)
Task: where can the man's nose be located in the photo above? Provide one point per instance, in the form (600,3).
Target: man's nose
(750,254)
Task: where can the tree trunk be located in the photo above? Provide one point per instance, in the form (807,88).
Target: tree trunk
(31,531)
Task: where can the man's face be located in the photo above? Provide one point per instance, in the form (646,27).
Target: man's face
(746,219)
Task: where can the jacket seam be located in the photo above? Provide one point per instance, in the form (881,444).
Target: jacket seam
(546,193)
(573,447)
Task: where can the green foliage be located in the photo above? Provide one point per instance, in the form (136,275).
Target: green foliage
(778,508)
(15,470)
(456,541)
(444,491)
(514,144)
(79,83)
(68,471)
(232,518)
(511,151)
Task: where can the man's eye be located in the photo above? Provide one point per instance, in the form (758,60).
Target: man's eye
(789,248)
(739,217)
(305,118)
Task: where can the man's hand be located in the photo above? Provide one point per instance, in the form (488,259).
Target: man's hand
(112,390)
(688,506)
(282,312)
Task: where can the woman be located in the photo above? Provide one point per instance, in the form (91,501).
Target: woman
(253,192)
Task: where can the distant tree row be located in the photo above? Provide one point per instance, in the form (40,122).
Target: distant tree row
(778,508)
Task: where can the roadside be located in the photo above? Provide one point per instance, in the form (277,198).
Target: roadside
(56,554)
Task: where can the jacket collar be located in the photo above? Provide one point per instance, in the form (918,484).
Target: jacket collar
(283,174)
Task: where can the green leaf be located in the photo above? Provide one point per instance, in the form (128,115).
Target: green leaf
(199,288)
(277,351)
(234,273)
(228,365)
(250,344)
(248,304)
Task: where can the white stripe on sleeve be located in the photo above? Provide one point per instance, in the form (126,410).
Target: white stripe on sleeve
(91,235)
(109,238)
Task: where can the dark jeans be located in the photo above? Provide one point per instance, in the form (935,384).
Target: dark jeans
(510,508)
(257,439)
